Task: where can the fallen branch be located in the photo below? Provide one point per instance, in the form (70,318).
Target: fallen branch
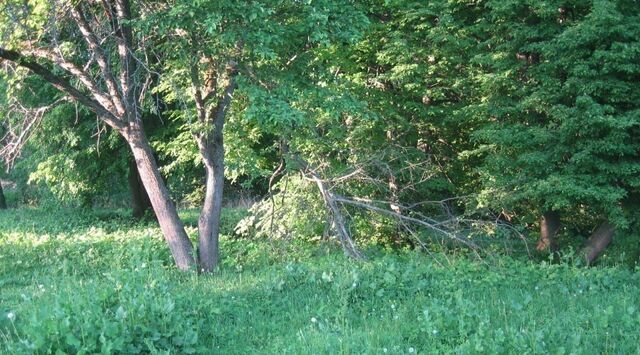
(428,224)
(330,200)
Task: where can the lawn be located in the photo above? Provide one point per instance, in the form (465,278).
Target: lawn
(96,282)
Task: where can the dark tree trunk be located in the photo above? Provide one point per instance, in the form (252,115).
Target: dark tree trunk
(3,201)
(140,202)
(549,227)
(598,242)
(165,210)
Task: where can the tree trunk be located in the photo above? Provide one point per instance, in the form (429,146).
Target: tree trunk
(209,221)
(212,151)
(166,213)
(140,202)
(597,242)
(211,146)
(118,107)
(3,202)
(549,227)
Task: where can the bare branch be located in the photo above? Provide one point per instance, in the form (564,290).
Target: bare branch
(16,137)
(62,85)
(125,43)
(78,73)
(101,58)
(348,245)
(429,225)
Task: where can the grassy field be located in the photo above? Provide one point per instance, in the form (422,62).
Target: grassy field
(87,282)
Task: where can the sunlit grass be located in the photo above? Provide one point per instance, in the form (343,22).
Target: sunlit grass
(76,282)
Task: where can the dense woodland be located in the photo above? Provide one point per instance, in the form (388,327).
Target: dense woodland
(473,130)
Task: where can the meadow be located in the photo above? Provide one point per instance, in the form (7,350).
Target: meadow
(80,282)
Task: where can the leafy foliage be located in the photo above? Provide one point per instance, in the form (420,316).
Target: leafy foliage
(563,106)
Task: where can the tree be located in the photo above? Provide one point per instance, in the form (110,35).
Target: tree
(249,54)
(3,201)
(214,41)
(44,44)
(563,101)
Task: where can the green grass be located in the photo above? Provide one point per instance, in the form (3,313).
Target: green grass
(82,282)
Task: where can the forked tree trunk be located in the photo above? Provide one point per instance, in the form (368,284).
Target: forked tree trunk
(211,146)
(166,213)
(549,227)
(139,199)
(3,202)
(598,242)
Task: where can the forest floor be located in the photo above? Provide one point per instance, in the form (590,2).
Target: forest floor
(96,282)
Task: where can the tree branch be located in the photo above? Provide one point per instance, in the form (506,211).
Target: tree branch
(78,73)
(94,46)
(125,44)
(62,85)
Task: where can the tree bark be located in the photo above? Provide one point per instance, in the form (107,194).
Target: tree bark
(211,148)
(549,227)
(166,212)
(140,202)
(598,242)
(3,201)
(209,221)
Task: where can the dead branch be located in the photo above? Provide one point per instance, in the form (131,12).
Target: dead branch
(432,226)
(17,135)
(339,224)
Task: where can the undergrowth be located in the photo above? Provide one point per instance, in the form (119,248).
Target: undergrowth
(96,282)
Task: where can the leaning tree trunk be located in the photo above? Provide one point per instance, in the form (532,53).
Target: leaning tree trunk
(165,210)
(115,103)
(3,202)
(598,242)
(549,227)
(140,202)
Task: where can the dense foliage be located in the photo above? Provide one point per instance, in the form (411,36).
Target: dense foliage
(512,109)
